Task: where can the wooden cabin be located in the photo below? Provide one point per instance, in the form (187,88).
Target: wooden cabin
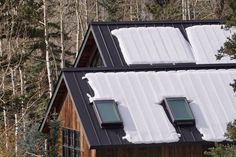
(145,89)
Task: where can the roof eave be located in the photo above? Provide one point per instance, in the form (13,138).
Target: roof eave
(51,102)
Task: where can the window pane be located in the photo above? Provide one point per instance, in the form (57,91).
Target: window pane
(180,109)
(108,112)
(65,136)
(77,139)
(72,147)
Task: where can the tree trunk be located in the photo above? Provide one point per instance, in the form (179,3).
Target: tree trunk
(16,135)
(62,35)
(13,82)
(184,10)
(22,103)
(1,53)
(47,47)
(86,13)
(5,126)
(97,11)
(77,26)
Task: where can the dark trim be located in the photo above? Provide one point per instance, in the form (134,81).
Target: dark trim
(132,145)
(159,22)
(84,42)
(59,82)
(157,67)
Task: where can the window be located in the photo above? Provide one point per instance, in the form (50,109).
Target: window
(179,110)
(107,113)
(96,60)
(71,143)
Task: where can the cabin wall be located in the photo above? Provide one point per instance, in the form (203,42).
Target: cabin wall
(68,119)
(161,151)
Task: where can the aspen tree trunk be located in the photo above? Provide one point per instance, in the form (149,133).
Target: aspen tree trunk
(62,35)
(184,10)
(188,9)
(22,93)
(5,126)
(16,134)
(77,26)
(47,47)
(131,10)
(81,26)
(1,53)
(86,13)
(14,95)
(137,10)
(97,11)
(13,82)
(194,3)
(5,115)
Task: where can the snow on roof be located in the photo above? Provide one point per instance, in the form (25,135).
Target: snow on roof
(139,95)
(152,45)
(206,40)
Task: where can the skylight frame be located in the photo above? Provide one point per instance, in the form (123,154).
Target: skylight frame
(171,114)
(118,123)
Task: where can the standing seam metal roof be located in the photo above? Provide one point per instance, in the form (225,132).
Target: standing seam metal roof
(108,45)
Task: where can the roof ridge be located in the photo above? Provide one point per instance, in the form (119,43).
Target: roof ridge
(216,21)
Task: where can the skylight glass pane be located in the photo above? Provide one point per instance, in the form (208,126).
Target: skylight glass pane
(108,112)
(180,110)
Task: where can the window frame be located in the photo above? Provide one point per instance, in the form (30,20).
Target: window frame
(114,124)
(189,121)
(69,147)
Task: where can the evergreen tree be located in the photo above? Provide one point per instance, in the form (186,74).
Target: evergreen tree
(165,9)
(113,8)
(229,48)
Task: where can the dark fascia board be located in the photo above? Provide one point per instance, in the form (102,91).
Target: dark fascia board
(133,145)
(160,22)
(51,102)
(87,34)
(157,67)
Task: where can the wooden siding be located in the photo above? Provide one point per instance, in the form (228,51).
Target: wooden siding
(161,151)
(68,119)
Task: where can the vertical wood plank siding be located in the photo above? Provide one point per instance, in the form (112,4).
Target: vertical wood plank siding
(68,119)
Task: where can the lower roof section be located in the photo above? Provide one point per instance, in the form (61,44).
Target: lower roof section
(207,90)
(140,94)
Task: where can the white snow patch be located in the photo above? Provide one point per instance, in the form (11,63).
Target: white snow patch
(206,40)
(145,121)
(153,45)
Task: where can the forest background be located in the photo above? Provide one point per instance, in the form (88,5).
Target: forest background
(40,37)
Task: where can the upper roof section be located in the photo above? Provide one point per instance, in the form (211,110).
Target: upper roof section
(134,43)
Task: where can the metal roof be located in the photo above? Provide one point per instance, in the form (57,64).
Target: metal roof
(139,93)
(99,33)
(72,80)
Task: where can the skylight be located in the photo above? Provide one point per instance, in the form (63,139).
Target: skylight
(107,113)
(179,110)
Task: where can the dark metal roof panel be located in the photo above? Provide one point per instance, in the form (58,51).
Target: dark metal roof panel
(96,136)
(103,137)
(109,47)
